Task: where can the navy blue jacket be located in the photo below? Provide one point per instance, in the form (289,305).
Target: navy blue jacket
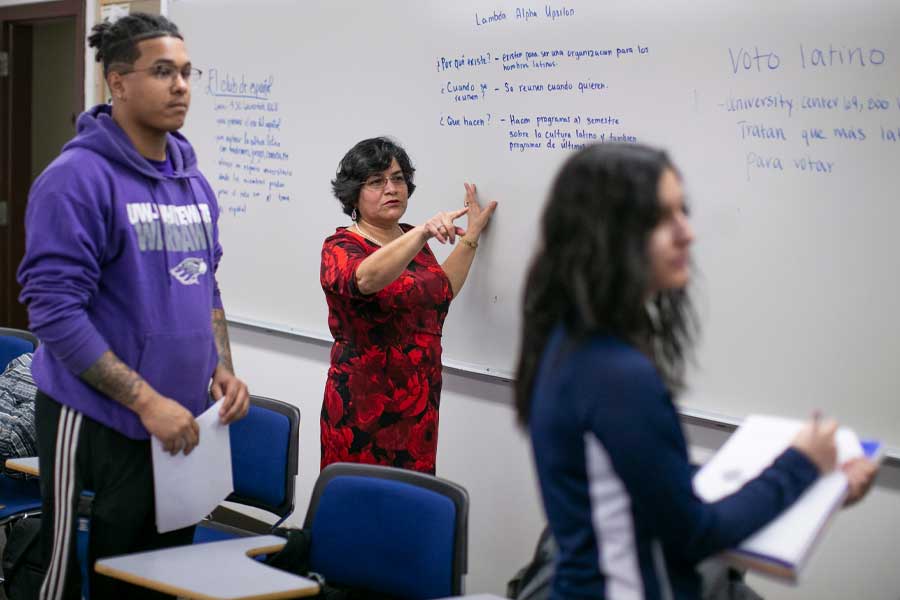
(616,483)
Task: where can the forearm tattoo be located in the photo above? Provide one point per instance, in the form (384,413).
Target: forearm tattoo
(114,378)
(220,331)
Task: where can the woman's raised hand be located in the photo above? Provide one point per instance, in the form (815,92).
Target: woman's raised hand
(478,216)
(441,225)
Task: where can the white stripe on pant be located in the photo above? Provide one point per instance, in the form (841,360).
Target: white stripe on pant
(63,502)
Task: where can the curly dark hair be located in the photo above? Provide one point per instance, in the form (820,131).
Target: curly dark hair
(592,271)
(116,42)
(368,157)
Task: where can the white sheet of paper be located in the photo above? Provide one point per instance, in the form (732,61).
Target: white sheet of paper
(187,488)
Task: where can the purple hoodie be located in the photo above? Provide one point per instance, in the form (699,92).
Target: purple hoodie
(121,257)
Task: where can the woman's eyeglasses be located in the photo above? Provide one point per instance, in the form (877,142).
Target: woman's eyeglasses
(379,183)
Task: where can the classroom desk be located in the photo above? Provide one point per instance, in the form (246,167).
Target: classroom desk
(27,465)
(213,571)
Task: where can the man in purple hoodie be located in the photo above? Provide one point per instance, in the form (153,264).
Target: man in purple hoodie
(119,279)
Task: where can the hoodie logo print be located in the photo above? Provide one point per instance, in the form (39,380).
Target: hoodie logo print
(171,228)
(188,271)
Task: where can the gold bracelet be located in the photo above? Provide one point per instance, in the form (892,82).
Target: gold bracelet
(469,243)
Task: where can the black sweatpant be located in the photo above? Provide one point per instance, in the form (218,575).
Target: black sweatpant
(78,453)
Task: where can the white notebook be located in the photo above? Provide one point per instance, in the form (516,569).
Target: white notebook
(782,547)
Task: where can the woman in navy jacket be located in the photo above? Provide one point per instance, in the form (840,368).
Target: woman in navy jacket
(607,325)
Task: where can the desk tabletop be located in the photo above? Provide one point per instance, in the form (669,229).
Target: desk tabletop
(24,465)
(213,571)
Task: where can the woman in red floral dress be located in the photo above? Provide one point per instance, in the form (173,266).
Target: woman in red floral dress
(387,299)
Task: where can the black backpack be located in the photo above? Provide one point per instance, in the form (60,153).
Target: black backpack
(294,558)
(532,582)
(23,570)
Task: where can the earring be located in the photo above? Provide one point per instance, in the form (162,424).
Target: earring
(353,215)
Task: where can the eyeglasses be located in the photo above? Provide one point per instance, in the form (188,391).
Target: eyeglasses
(167,72)
(379,183)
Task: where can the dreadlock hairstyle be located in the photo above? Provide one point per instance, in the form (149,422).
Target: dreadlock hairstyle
(116,43)
(592,271)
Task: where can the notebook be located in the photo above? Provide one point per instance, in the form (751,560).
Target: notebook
(783,546)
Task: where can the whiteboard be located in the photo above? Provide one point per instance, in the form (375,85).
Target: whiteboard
(784,118)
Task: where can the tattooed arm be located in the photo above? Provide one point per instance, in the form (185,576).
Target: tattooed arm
(164,418)
(115,379)
(223,346)
(224,382)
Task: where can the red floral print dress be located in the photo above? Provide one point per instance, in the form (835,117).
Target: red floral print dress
(384,384)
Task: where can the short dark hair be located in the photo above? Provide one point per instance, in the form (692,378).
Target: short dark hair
(363,160)
(116,42)
(592,271)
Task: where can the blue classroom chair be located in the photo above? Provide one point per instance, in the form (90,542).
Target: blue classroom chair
(264,459)
(389,531)
(15,342)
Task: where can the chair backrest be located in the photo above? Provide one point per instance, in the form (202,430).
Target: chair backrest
(264,456)
(15,342)
(389,531)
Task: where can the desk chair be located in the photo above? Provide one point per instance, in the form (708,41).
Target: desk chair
(264,456)
(18,499)
(15,342)
(389,531)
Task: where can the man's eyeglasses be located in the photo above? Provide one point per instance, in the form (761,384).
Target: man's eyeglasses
(379,183)
(166,72)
